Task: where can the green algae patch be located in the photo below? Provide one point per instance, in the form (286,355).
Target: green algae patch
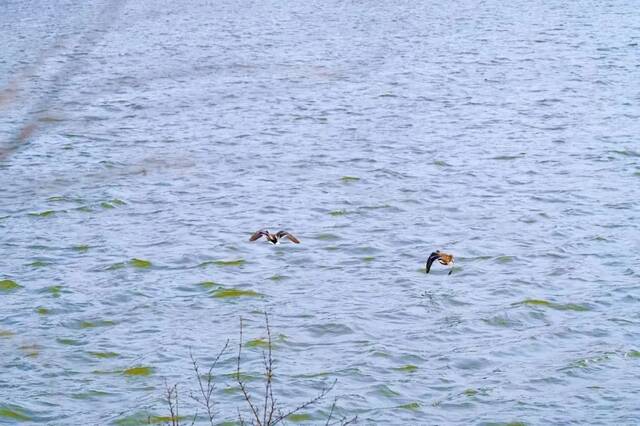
(116,266)
(470,392)
(385,390)
(558,306)
(6,333)
(54,290)
(370,259)
(92,394)
(412,406)
(278,277)
(140,419)
(9,285)
(42,310)
(257,343)
(68,342)
(45,213)
(14,414)
(347,179)
(38,264)
(81,248)
(208,284)
(327,237)
(224,293)
(407,368)
(299,417)
(630,354)
(112,204)
(140,263)
(57,198)
(338,212)
(138,371)
(93,324)
(104,355)
(236,262)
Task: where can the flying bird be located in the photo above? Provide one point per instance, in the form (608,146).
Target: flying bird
(274,238)
(443,258)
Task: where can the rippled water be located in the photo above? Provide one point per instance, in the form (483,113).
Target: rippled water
(506,133)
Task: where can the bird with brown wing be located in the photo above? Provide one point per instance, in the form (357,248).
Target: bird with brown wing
(274,238)
(444,259)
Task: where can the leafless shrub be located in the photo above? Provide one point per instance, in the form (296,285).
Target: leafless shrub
(262,411)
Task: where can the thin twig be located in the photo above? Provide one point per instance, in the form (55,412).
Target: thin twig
(243,388)
(207,393)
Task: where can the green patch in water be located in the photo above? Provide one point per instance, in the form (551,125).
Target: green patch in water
(224,293)
(54,290)
(299,417)
(506,157)
(38,264)
(82,248)
(338,212)
(407,368)
(441,163)
(257,343)
(140,419)
(505,259)
(278,277)
(558,306)
(347,179)
(117,266)
(327,237)
(31,350)
(112,204)
(6,333)
(140,263)
(14,413)
(68,342)
(42,310)
(470,392)
(243,376)
(45,213)
(412,406)
(138,371)
(93,324)
(104,355)
(331,248)
(208,285)
(85,209)
(92,394)
(9,285)
(57,198)
(385,390)
(370,259)
(231,390)
(237,262)
(630,354)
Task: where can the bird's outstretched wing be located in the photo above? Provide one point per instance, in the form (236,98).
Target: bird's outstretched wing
(257,235)
(288,236)
(432,258)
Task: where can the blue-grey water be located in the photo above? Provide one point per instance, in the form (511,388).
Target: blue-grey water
(376,132)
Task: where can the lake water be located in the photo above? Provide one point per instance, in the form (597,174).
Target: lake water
(376,132)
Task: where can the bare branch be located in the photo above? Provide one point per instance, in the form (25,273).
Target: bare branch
(243,388)
(310,402)
(207,393)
